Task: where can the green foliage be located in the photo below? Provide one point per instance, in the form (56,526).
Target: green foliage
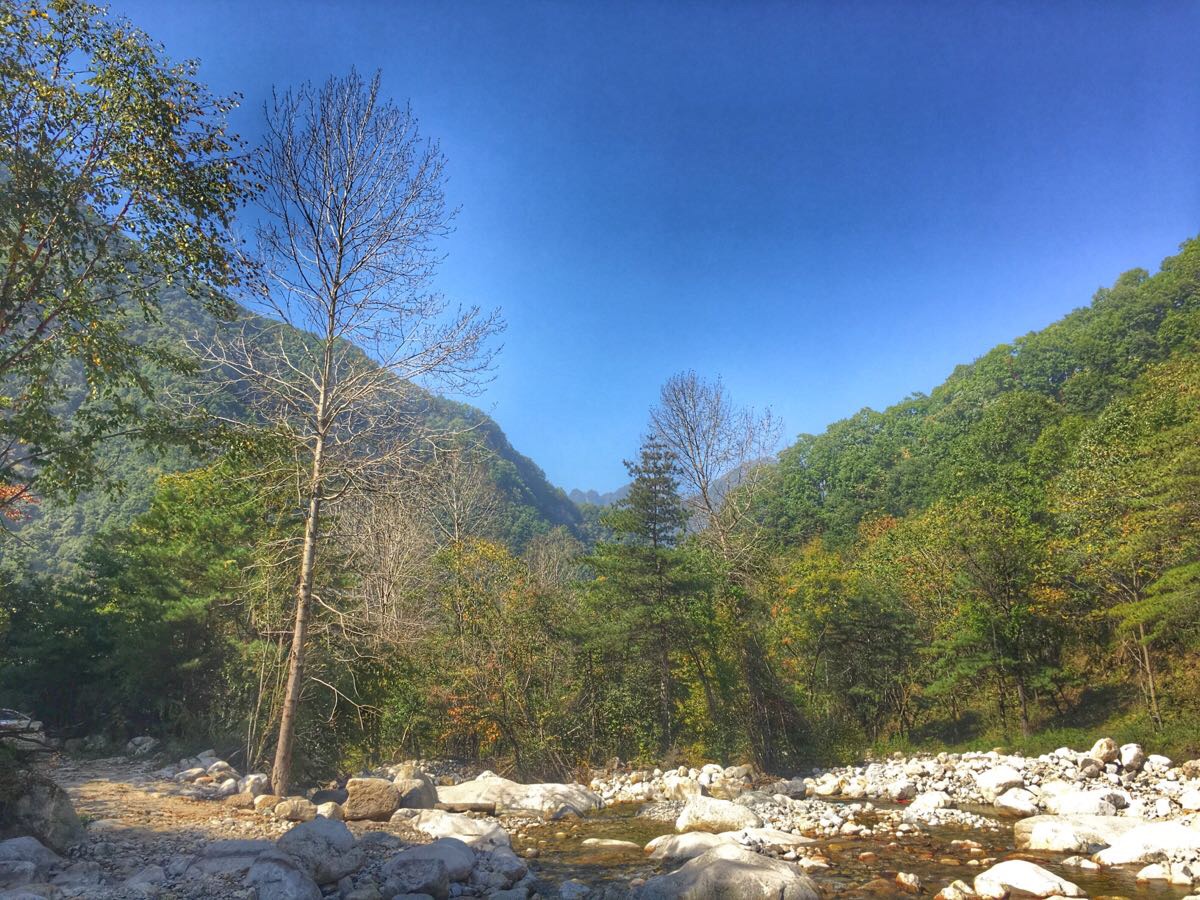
(1039,504)
(119,179)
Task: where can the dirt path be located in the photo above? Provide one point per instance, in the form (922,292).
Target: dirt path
(139,828)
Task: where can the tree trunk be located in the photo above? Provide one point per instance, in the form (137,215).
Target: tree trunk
(664,695)
(281,772)
(1148,665)
(1024,704)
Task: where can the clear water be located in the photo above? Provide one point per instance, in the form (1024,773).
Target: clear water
(928,855)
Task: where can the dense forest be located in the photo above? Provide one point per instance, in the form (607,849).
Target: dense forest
(248,524)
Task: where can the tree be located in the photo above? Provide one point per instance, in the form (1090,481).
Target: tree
(119,180)
(722,449)
(973,572)
(640,591)
(353,207)
(1128,513)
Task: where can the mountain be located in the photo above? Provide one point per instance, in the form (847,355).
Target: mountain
(55,535)
(595,498)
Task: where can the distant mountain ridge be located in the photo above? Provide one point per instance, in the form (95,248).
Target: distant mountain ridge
(55,535)
(595,498)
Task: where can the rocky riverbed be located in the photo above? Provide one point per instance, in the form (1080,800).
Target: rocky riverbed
(1105,822)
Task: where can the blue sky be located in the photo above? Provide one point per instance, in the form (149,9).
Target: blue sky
(829,204)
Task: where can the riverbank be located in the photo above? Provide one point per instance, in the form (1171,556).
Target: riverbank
(1108,821)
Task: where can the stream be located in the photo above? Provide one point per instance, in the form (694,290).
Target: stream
(930,854)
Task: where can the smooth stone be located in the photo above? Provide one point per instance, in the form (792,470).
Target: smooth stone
(1020,875)
(710,814)
(731,873)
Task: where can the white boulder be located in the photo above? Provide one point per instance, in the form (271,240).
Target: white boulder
(1020,875)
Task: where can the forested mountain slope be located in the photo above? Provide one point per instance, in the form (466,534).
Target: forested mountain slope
(1010,418)
(54,535)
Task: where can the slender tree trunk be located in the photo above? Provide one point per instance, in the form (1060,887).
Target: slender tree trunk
(1148,665)
(664,694)
(1023,701)
(281,772)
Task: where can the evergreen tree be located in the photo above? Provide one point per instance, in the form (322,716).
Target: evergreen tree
(639,597)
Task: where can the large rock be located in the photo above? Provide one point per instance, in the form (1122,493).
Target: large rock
(1017,802)
(255,785)
(458,858)
(509,797)
(32,805)
(417,876)
(1071,834)
(475,833)
(680,787)
(1132,757)
(15,874)
(294,809)
(417,792)
(712,815)
(929,801)
(276,876)
(1089,803)
(995,781)
(1020,875)
(731,873)
(684,846)
(324,848)
(1105,750)
(29,849)
(25,860)
(764,839)
(370,798)
(1149,843)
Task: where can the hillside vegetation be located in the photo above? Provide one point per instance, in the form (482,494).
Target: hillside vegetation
(54,536)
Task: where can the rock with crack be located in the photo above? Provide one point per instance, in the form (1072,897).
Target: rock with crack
(1020,875)
(729,872)
(324,848)
(713,815)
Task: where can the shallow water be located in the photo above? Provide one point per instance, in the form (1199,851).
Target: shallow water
(928,855)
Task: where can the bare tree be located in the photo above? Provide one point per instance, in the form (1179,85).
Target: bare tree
(721,450)
(459,497)
(352,208)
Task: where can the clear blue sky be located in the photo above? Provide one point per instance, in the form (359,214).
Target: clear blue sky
(830,204)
